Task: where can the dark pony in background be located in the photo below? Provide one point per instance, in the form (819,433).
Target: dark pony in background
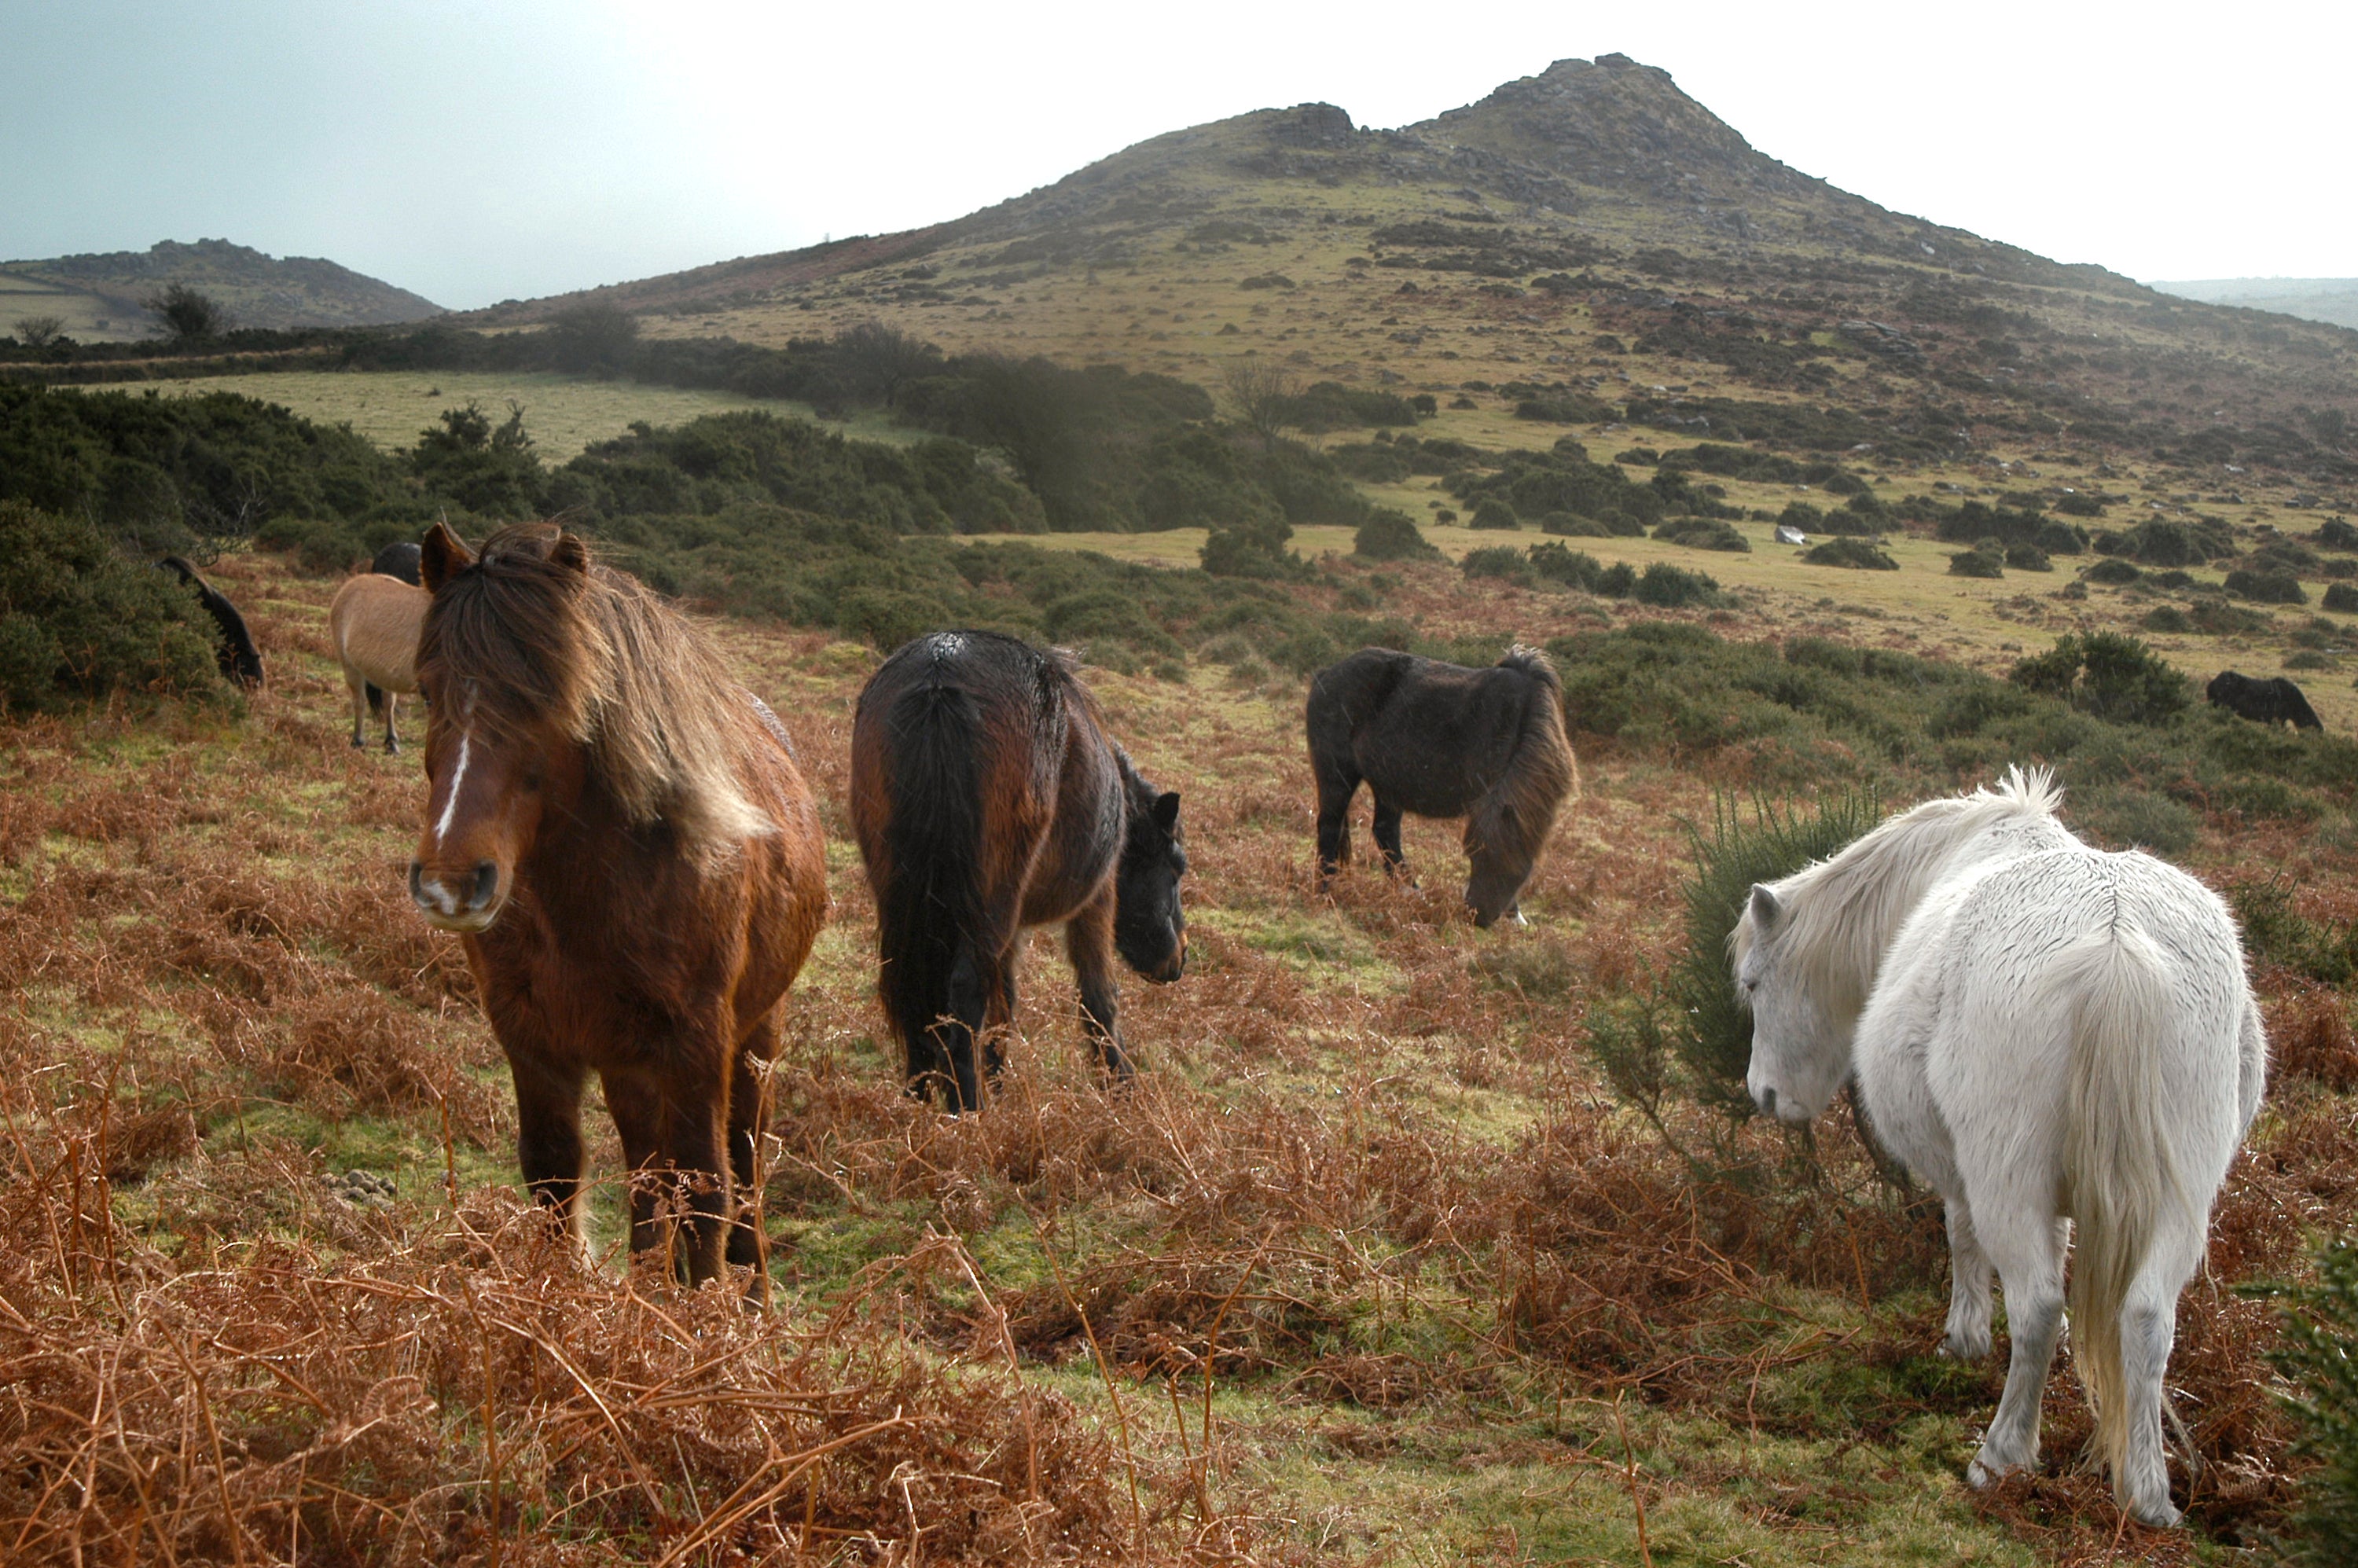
(987,797)
(234,647)
(619,833)
(2273,701)
(1436,740)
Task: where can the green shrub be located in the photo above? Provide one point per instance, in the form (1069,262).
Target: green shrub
(2123,816)
(1984,560)
(2112,572)
(2167,618)
(1492,513)
(2109,675)
(1856,554)
(2317,1353)
(2341,598)
(1668,587)
(1702,534)
(1503,562)
(1392,536)
(2324,951)
(1574,569)
(2266,586)
(2028,558)
(77,621)
(1573,526)
(1694,1038)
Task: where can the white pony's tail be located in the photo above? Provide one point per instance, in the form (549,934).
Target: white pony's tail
(2122,1178)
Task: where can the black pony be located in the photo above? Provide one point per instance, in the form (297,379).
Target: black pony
(2273,701)
(1438,740)
(987,797)
(233,649)
(398,560)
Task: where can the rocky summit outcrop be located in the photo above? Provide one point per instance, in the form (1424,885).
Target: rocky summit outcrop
(257,290)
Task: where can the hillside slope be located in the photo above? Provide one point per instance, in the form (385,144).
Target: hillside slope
(1588,230)
(103,297)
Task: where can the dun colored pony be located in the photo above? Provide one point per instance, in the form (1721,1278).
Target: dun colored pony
(2276,700)
(987,797)
(373,621)
(2044,1033)
(1436,740)
(399,559)
(233,648)
(619,833)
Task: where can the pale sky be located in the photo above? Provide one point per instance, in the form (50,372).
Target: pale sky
(478,151)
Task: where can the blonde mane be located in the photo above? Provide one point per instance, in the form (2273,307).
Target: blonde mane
(543,633)
(1840,913)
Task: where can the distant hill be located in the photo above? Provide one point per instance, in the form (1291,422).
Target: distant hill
(2328,300)
(1589,238)
(100,298)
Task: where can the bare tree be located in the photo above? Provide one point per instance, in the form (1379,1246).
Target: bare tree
(189,316)
(1260,396)
(39,332)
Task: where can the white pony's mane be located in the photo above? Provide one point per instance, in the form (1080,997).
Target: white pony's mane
(1840,913)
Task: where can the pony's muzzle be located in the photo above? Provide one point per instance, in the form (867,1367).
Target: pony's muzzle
(1173,966)
(468,902)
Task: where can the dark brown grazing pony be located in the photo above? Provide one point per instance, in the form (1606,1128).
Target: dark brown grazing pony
(1436,740)
(987,797)
(619,833)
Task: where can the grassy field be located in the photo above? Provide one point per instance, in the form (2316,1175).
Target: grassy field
(1369,1269)
(564,414)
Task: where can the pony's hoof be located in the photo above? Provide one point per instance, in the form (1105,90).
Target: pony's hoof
(357,743)
(2163,1515)
(393,747)
(1964,1347)
(1979,1475)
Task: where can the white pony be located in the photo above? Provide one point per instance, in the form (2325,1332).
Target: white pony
(2046,1033)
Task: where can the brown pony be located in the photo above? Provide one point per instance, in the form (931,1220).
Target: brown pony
(619,833)
(987,797)
(373,621)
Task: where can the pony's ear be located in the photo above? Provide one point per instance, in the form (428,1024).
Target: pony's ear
(440,557)
(1166,812)
(1766,910)
(570,554)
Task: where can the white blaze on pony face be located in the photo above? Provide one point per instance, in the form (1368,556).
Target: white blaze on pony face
(1800,1057)
(484,798)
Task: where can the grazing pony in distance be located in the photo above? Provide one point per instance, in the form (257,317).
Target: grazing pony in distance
(233,649)
(1436,740)
(2273,701)
(373,621)
(2044,1031)
(987,797)
(618,832)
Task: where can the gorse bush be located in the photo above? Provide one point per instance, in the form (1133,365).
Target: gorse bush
(79,622)
(1854,554)
(2110,674)
(1702,1045)
(2318,1353)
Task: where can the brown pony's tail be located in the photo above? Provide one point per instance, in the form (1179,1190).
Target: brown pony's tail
(930,913)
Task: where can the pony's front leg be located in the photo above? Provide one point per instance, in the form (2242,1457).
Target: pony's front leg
(673,1142)
(1968,1334)
(549,1137)
(392,736)
(2029,1257)
(1088,940)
